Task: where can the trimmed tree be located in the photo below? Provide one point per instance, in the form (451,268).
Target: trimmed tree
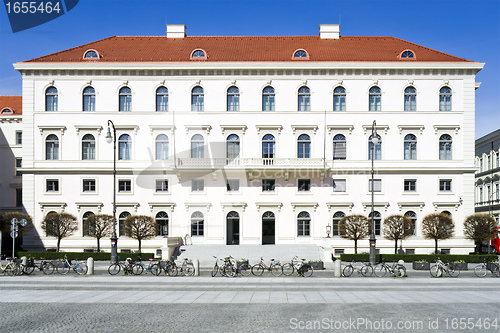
(480,228)
(437,226)
(354,227)
(6,218)
(397,227)
(59,225)
(140,227)
(98,226)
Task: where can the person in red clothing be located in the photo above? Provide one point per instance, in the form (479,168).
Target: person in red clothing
(495,242)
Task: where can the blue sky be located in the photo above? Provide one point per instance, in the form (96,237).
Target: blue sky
(467,29)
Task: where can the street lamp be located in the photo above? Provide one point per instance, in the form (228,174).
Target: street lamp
(114,239)
(328,230)
(374,140)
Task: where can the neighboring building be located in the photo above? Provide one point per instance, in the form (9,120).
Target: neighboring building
(488,175)
(249,140)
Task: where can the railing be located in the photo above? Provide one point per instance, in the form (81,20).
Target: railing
(252,162)
(486,203)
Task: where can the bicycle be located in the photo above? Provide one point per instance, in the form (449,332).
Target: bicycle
(9,269)
(138,267)
(43,266)
(274,267)
(126,265)
(396,269)
(77,266)
(366,270)
(441,268)
(217,269)
(187,267)
(481,269)
(167,266)
(300,266)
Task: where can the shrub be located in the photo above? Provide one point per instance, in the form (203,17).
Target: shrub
(98,256)
(469,258)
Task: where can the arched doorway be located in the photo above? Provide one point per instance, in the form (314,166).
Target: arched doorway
(233,228)
(268,228)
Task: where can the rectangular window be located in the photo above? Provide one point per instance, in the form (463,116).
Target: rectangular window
(52,185)
(19,137)
(339,185)
(233,185)
(304,185)
(410,185)
(19,197)
(377,185)
(124,186)
(339,251)
(445,185)
(161,185)
(19,165)
(197,185)
(89,185)
(268,185)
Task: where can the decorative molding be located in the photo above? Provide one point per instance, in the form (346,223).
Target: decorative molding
(438,205)
(169,205)
(269,128)
(135,128)
(402,205)
(11,119)
(378,127)
(225,128)
(153,128)
(332,128)
(135,205)
(296,205)
(97,205)
(89,128)
(242,205)
(60,128)
(402,128)
(438,128)
(205,128)
(269,204)
(331,205)
(376,204)
(206,205)
(296,128)
(58,205)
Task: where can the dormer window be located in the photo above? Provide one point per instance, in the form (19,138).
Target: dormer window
(6,111)
(91,54)
(300,55)
(198,55)
(407,54)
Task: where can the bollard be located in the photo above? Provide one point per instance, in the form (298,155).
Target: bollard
(196,264)
(90,265)
(336,268)
(24,261)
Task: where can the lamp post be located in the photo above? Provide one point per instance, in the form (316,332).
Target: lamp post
(374,140)
(114,239)
(328,230)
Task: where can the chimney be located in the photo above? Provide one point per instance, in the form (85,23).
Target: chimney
(176,31)
(329,31)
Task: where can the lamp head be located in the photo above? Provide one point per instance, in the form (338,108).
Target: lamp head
(375,139)
(109,138)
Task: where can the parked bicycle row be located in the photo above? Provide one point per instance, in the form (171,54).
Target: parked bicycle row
(165,267)
(229,267)
(17,266)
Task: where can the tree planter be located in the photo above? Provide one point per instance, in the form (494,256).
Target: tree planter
(317,265)
(421,266)
(462,266)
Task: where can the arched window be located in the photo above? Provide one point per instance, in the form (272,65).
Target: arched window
(91,55)
(197,99)
(375,96)
(445,99)
(335,222)
(6,111)
(162,147)
(89,99)
(232,146)
(162,99)
(339,147)
(125,97)
(445,142)
(377,219)
(413,217)
(197,146)
(339,99)
(162,222)
(378,148)
(124,147)
(233,99)
(51,99)
(407,54)
(268,143)
(445,212)
(198,54)
(304,146)
(303,224)
(91,229)
(233,228)
(52,147)
(197,221)
(410,99)
(268,99)
(88,147)
(304,99)
(410,147)
(300,54)
(121,223)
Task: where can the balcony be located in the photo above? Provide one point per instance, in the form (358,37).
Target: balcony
(250,162)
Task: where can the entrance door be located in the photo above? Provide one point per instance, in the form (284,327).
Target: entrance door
(268,228)
(233,228)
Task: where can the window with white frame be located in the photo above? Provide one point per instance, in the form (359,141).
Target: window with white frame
(268,144)
(378,148)
(339,185)
(197,224)
(377,185)
(445,145)
(52,185)
(51,99)
(304,103)
(339,97)
(52,147)
(161,147)
(125,99)
(19,137)
(162,99)
(335,222)
(121,223)
(88,147)
(375,98)
(197,185)
(268,96)
(90,230)
(410,185)
(233,99)
(162,223)
(19,165)
(233,185)
(413,218)
(232,147)
(161,185)
(304,185)
(89,99)
(197,146)
(377,221)
(410,147)
(197,99)
(445,99)
(445,185)
(303,224)
(124,186)
(339,147)
(125,147)
(268,185)
(89,186)
(304,146)
(410,99)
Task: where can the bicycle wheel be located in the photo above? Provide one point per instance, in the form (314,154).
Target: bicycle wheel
(114,269)
(47,268)
(188,270)
(347,271)
(81,268)
(28,269)
(495,270)
(229,271)
(137,269)
(480,270)
(172,271)
(400,271)
(245,269)
(257,270)
(288,269)
(9,269)
(454,271)
(64,268)
(436,271)
(276,270)
(307,270)
(380,270)
(215,271)
(156,269)
(367,271)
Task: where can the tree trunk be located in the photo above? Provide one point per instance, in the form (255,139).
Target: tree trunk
(58,243)
(139,245)
(436,246)
(98,245)
(396,246)
(355,246)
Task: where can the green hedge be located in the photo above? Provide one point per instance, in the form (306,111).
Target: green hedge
(472,258)
(84,255)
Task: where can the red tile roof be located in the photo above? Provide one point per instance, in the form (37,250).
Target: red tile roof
(14,103)
(249,49)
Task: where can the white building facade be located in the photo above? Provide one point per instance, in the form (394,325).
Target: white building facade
(249,140)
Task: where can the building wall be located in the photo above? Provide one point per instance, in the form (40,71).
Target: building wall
(10,180)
